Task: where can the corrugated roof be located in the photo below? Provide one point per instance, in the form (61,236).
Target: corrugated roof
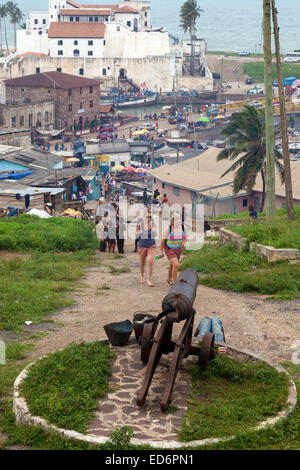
(52,80)
(203,174)
(76,30)
(105,108)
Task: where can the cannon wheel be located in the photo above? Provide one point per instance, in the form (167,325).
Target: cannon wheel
(206,351)
(146,341)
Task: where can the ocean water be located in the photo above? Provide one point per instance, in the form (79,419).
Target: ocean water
(231,25)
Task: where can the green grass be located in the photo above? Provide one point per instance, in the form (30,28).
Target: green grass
(30,233)
(280,233)
(36,286)
(65,387)
(215,259)
(117,271)
(256,70)
(229,394)
(225,268)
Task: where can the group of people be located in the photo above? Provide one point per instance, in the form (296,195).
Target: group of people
(110,231)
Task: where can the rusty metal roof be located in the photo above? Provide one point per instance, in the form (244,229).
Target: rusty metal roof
(52,80)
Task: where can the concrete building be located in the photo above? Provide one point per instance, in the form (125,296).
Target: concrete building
(108,42)
(198,181)
(76,99)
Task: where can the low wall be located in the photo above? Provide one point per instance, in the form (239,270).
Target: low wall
(269,252)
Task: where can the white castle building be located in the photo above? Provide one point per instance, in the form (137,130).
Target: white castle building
(106,42)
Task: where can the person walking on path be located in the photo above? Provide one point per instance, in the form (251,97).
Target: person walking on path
(120,232)
(146,248)
(173,242)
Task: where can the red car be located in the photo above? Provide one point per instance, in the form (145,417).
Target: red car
(105,136)
(105,129)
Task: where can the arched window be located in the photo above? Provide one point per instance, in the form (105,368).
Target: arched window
(76,53)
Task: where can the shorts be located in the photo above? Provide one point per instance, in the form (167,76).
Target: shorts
(170,253)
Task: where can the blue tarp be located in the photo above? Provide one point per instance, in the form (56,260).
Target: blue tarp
(16,176)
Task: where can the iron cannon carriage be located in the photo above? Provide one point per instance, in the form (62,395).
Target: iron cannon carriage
(156,338)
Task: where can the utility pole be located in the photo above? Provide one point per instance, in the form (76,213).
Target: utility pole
(270,138)
(284,132)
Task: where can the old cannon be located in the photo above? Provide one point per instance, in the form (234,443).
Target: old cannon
(176,307)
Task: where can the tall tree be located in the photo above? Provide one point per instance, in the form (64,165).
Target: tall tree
(190,12)
(270,174)
(284,132)
(245,144)
(3,16)
(16,16)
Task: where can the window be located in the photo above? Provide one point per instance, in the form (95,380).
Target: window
(60,42)
(60,52)
(91,89)
(163,185)
(81,88)
(36,21)
(58,17)
(91,18)
(70,108)
(70,92)
(76,53)
(176,191)
(129,24)
(13,121)
(71,19)
(77,18)
(37,70)
(40,32)
(154,180)
(96,19)
(146,14)
(245,202)
(75,43)
(118,28)
(21,121)
(80,105)
(146,23)
(58,69)
(90,43)
(30,120)
(90,52)
(112,164)
(91,104)
(103,71)
(81,72)
(44,21)
(46,116)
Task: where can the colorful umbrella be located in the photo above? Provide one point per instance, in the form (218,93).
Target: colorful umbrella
(203,119)
(117,168)
(129,168)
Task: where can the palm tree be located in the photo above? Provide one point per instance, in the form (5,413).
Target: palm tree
(245,142)
(3,15)
(16,16)
(190,12)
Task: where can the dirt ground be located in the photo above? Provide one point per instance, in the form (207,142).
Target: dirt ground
(268,328)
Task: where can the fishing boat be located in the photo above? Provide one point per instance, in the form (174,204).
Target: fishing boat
(139,101)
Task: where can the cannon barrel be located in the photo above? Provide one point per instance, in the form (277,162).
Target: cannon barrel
(180,298)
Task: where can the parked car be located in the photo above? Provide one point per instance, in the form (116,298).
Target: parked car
(148,126)
(290,59)
(256,104)
(244,54)
(175,119)
(106,128)
(249,81)
(105,136)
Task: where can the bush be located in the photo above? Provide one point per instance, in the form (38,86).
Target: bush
(280,233)
(28,233)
